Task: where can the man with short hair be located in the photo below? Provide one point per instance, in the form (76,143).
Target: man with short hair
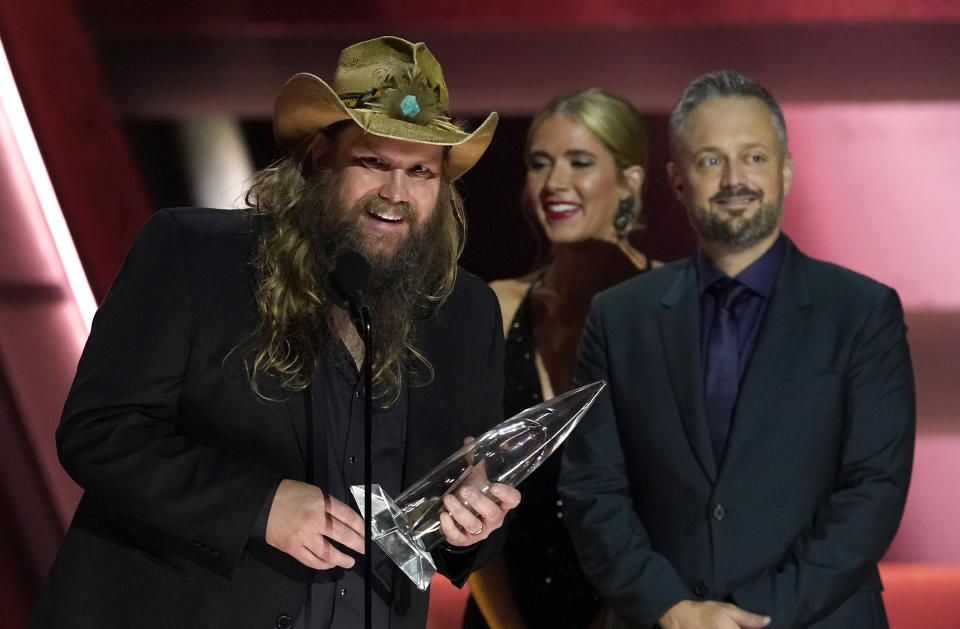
(748,464)
(216,420)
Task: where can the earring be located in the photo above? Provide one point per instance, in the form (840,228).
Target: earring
(623,219)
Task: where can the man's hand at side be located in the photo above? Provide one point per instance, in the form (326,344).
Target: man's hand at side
(711,615)
(303,521)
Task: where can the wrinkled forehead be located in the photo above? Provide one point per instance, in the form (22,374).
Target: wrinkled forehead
(729,122)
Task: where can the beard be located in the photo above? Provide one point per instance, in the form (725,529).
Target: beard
(737,233)
(400,278)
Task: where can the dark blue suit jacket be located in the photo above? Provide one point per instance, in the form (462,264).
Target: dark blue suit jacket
(177,456)
(815,476)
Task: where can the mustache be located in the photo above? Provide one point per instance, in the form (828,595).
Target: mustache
(736,191)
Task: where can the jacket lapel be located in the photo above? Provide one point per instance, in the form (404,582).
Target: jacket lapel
(424,405)
(296,413)
(415,435)
(680,335)
(290,404)
(780,332)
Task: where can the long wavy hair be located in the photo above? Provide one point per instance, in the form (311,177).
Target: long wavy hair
(291,302)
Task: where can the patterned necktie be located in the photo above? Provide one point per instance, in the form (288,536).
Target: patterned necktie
(722,363)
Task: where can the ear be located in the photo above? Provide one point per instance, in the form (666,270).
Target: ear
(317,151)
(634,176)
(787,170)
(676,181)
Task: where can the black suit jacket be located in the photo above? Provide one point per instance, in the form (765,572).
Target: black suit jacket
(177,456)
(816,470)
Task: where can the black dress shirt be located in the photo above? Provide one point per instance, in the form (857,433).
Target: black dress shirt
(337,595)
(337,399)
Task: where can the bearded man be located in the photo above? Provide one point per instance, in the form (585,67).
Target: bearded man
(748,464)
(216,420)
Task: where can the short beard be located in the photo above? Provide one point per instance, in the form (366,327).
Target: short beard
(399,280)
(737,234)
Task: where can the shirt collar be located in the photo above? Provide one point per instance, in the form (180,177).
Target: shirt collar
(759,277)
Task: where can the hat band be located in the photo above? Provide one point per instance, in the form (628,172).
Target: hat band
(357,100)
(361,100)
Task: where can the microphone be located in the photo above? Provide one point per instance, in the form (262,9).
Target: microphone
(346,286)
(347,283)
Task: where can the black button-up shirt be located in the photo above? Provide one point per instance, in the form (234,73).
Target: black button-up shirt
(336,596)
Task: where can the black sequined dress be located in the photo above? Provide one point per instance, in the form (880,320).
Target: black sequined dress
(545,577)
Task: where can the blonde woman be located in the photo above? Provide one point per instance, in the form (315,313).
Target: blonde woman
(586,155)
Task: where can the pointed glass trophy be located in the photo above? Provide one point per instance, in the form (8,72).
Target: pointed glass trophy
(408,527)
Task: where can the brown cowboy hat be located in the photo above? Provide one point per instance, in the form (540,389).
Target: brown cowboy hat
(390,87)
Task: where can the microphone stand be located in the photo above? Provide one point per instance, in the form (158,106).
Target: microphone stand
(346,286)
(361,314)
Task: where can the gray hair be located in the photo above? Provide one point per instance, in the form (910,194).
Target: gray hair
(722,84)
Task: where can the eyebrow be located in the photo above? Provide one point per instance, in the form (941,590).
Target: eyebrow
(763,145)
(570,153)
(364,149)
(716,149)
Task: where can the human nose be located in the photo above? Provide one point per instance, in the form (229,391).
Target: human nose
(732,174)
(557,179)
(394,188)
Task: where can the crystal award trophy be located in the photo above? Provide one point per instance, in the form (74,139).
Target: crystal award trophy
(408,527)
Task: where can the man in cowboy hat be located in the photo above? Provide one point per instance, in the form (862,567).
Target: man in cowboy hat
(215,422)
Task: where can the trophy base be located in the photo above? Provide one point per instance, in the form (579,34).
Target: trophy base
(388,526)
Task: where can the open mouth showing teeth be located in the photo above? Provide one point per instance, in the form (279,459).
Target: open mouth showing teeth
(561,210)
(387,218)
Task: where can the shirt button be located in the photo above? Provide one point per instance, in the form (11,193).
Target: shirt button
(343,591)
(356,395)
(352,459)
(719,512)
(284,621)
(700,589)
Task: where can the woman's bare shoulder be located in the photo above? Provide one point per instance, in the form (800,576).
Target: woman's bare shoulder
(510,292)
